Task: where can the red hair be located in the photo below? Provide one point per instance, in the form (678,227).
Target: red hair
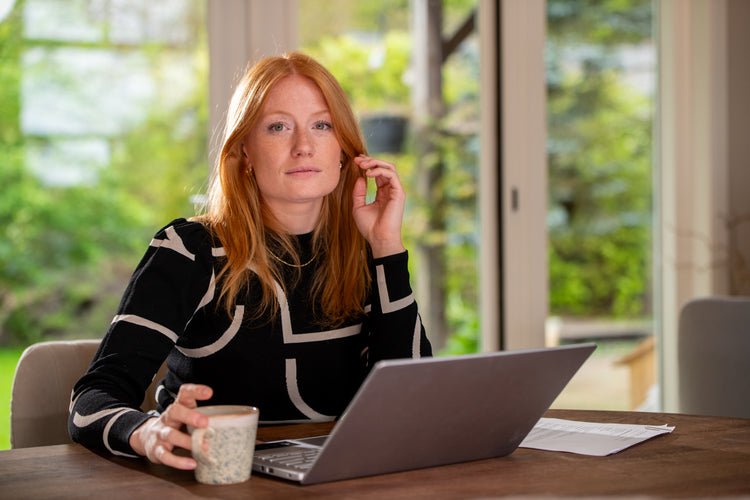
(237,216)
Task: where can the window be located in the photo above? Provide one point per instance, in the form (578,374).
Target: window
(103,131)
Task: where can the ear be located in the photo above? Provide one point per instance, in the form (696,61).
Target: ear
(244,150)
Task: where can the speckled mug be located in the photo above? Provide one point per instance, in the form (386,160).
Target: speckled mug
(230,436)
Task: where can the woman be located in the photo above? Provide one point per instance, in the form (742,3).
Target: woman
(282,295)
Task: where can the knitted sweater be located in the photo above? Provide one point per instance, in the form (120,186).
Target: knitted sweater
(287,365)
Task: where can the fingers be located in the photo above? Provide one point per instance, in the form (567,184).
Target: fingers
(164,438)
(360,193)
(190,394)
(162,453)
(171,460)
(378,169)
(156,441)
(380,221)
(182,411)
(388,184)
(158,437)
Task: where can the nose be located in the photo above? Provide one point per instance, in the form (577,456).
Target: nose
(303,143)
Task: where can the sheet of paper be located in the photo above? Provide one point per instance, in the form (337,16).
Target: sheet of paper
(588,438)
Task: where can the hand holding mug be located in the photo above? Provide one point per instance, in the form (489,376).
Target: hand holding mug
(157,438)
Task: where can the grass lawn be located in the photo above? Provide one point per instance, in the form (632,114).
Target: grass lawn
(8,359)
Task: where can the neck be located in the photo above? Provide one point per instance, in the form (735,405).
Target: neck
(300,219)
(298,227)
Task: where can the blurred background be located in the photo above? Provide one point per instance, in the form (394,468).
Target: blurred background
(105,133)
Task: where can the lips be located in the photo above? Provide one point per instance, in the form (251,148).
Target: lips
(303,170)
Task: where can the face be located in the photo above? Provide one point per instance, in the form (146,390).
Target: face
(293,151)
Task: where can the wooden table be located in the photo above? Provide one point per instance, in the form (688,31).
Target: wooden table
(703,457)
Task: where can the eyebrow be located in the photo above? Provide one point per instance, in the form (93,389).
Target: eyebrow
(285,113)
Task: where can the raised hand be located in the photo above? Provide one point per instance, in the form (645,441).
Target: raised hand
(380,221)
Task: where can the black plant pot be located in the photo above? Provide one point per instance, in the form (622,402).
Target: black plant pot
(384,133)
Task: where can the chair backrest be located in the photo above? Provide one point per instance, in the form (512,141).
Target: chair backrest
(42,386)
(714,356)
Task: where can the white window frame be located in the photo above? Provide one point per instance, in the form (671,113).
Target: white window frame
(513,176)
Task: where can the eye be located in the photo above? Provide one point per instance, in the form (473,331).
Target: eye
(276,127)
(323,125)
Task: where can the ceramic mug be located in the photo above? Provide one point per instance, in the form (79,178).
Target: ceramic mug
(230,437)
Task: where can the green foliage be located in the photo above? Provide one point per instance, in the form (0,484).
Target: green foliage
(599,162)
(321,18)
(8,360)
(51,236)
(370,86)
(67,252)
(463,324)
(599,22)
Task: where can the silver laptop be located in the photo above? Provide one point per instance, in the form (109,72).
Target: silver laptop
(410,414)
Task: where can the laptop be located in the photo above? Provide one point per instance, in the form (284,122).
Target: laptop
(416,413)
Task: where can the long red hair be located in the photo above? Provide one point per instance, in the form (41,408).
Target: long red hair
(237,216)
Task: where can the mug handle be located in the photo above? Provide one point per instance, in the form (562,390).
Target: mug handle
(197,439)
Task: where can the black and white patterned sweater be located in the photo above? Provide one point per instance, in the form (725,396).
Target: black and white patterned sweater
(287,366)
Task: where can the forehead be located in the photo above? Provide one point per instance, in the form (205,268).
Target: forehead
(295,92)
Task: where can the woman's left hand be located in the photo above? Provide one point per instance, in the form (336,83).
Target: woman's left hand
(380,221)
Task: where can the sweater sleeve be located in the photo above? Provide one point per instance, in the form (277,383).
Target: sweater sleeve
(161,297)
(396,329)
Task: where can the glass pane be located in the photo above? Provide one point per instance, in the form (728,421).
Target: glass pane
(601,89)
(369,46)
(103,130)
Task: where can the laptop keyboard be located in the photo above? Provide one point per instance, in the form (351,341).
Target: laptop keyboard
(299,458)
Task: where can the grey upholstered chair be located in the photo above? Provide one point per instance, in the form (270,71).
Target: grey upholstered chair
(714,356)
(42,385)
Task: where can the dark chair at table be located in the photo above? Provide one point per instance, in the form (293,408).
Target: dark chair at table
(42,385)
(714,356)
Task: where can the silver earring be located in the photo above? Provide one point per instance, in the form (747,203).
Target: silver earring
(341,165)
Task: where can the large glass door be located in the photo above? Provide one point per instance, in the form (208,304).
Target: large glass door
(601,67)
